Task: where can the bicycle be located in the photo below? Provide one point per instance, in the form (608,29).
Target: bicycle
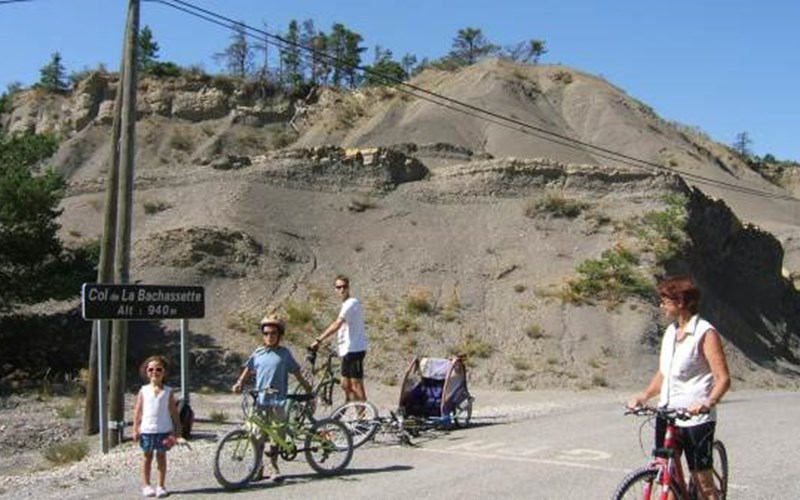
(663,477)
(326,443)
(324,380)
(363,422)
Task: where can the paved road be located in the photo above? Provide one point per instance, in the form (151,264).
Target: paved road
(533,446)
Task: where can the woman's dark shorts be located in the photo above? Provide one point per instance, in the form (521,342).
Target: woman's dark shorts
(697,443)
(353,364)
(153,442)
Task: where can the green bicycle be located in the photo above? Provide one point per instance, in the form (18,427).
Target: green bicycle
(326,444)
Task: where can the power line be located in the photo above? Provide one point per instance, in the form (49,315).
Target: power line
(466,108)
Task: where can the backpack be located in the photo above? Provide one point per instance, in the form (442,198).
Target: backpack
(186,416)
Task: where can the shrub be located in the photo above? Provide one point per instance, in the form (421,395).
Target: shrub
(299,315)
(599,381)
(164,70)
(534,332)
(66,452)
(556,205)
(67,411)
(181,140)
(612,278)
(521,364)
(418,301)
(153,207)
(218,416)
(470,347)
(665,231)
(360,204)
(243,323)
(404,324)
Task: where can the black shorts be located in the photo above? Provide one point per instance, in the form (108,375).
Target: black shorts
(697,443)
(353,364)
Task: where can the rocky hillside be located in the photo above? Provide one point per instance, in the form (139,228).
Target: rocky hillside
(460,234)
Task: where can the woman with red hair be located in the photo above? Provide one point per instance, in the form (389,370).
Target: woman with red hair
(692,374)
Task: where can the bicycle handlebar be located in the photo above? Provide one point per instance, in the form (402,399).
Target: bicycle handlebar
(660,411)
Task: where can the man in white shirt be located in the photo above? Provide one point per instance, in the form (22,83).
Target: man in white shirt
(351,341)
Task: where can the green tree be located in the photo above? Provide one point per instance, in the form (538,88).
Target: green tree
(317,42)
(742,144)
(384,71)
(238,56)
(290,56)
(408,62)
(337,45)
(34,266)
(53,76)
(352,57)
(28,241)
(526,52)
(469,46)
(537,49)
(148,50)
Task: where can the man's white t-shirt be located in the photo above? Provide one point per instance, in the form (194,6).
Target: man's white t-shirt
(352,335)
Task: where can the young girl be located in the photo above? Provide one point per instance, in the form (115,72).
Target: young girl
(155,423)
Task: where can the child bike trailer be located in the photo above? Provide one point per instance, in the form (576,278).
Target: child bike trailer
(436,389)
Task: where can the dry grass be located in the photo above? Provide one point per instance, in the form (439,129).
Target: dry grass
(66,452)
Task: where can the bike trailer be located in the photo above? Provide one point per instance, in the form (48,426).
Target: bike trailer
(436,388)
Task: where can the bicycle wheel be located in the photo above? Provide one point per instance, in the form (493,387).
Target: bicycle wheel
(328,447)
(638,483)
(720,457)
(236,459)
(462,413)
(360,418)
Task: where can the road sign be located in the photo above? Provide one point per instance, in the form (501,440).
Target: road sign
(142,302)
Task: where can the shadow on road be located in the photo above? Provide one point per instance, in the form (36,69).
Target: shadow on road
(295,479)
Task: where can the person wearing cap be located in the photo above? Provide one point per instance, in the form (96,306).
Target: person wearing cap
(271,365)
(351,341)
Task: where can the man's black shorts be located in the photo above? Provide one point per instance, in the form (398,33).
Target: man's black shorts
(353,364)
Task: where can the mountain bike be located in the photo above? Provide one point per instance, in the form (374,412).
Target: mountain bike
(363,422)
(663,477)
(324,380)
(326,444)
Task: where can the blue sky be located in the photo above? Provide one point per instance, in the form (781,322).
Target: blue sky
(723,66)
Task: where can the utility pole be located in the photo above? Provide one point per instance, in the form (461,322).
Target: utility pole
(122,251)
(105,268)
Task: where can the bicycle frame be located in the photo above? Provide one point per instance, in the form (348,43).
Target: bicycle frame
(294,429)
(667,459)
(323,379)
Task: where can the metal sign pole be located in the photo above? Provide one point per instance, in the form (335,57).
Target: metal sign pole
(185,336)
(102,376)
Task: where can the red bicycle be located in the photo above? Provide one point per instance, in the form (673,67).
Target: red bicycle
(663,477)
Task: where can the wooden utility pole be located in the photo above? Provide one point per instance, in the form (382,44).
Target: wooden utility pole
(122,250)
(105,268)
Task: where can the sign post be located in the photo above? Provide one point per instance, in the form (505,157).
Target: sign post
(102,302)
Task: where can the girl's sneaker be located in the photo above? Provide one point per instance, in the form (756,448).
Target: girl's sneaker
(161,492)
(148,491)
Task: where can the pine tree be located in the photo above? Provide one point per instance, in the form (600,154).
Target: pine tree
(469,46)
(742,144)
(53,76)
(291,56)
(238,56)
(148,50)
